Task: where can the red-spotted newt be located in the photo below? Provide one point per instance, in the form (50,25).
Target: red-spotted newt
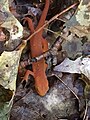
(38,45)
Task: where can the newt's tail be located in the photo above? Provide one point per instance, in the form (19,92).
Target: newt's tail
(43,16)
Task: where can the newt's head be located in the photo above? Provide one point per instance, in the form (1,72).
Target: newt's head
(42,87)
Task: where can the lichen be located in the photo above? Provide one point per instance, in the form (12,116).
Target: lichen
(83,15)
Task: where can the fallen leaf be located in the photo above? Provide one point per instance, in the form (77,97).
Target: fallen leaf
(9,61)
(80,65)
(79,24)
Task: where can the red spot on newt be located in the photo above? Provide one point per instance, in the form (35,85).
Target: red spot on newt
(38,45)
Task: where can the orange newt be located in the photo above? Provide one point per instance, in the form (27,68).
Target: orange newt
(38,45)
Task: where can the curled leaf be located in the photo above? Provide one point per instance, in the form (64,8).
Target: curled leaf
(78,66)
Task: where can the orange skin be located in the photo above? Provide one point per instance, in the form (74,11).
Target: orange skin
(38,45)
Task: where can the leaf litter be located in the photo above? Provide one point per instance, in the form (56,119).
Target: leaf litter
(75,50)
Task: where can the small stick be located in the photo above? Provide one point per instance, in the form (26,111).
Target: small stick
(53,18)
(85,114)
(52,51)
(68,87)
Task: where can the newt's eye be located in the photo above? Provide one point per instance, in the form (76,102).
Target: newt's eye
(37,89)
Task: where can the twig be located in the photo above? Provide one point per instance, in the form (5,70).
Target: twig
(52,51)
(85,114)
(53,18)
(68,87)
(61,19)
(52,31)
(61,35)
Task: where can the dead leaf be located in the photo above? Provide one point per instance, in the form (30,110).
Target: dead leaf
(79,24)
(78,66)
(9,61)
